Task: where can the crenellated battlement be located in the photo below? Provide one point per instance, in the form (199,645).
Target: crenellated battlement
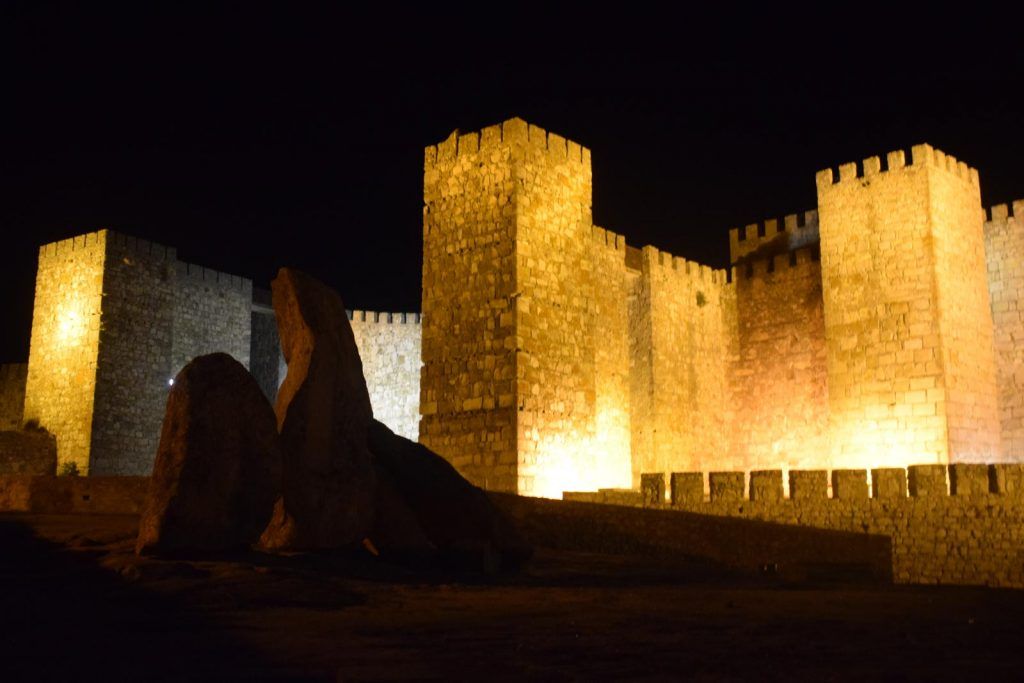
(207,276)
(795,262)
(141,247)
(681,267)
(758,240)
(923,155)
(514,132)
(384,318)
(71,244)
(608,238)
(1004,212)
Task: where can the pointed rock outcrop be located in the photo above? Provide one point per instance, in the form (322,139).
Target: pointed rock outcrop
(323,413)
(218,466)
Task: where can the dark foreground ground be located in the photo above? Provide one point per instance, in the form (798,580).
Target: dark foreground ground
(76,605)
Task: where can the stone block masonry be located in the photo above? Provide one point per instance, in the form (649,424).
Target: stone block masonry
(389,347)
(115,318)
(974,535)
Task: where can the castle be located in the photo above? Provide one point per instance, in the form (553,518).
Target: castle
(879,330)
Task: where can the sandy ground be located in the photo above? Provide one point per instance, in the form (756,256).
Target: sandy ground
(75,604)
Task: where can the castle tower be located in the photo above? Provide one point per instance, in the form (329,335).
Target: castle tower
(909,337)
(101,344)
(508,391)
(116,318)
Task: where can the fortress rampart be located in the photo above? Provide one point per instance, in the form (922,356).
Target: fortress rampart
(862,333)
(879,329)
(960,524)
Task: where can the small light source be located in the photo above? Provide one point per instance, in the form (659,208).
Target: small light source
(170,382)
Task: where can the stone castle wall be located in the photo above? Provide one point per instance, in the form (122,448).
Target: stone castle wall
(12,395)
(960,525)
(1004,248)
(389,347)
(469,345)
(64,346)
(688,311)
(212,312)
(780,382)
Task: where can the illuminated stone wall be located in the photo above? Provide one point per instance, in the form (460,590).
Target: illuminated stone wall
(115,317)
(907,323)
(780,386)
(964,526)
(212,312)
(1004,247)
(64,345)
(511,363)
(685,415)
(134,362)
(12,395)
(389,347)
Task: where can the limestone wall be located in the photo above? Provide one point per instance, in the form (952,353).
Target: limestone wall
(12,394)
(689,354)
(28,452)
(964,526)
(266,363)
(212,312)
(965,313)
(555,281)
(389,347)
(63,350)
(134,363)
(1004,248)
(765,240)
(886,385)
(780,380)
(469,306)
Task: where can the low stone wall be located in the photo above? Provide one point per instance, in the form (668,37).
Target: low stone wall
(28,452)
(742,545)
(959,525)
(12,394)
(99,495)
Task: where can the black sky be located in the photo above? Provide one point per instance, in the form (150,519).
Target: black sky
(254,139)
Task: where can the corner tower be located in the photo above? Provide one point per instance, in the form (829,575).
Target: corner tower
(908,326)
(508,384)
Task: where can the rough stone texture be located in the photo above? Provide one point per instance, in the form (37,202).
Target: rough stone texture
(934,539)
(780,388)
(910,371)
(927,481)
(889,482)
(726,485)
(217,472)
(687,487)
(61,382)
(212,313)
(1006,479)
(766,485)
(850,484)
(808,484)
(28,452)
(12,394)
(389,348)
(652,487)
(1004,252)
(265,360)
(133,366)
(457,517)
(968,479)
(323,413)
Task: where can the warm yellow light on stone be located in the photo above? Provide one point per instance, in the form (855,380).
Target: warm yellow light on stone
(72,322)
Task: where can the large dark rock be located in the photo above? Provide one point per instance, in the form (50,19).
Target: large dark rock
(457,517)
(217,469)
(323,412)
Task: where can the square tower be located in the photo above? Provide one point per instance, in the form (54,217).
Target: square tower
(508,391)
(908,326)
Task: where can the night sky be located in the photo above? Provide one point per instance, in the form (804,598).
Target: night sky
(251,140)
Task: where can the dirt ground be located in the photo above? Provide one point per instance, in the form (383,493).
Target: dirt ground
(75,604)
